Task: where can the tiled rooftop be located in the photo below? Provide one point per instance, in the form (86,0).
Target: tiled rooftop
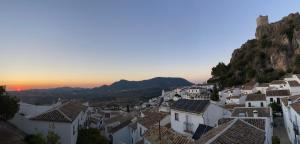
(168,136)
(193,106)
(294,83)
(278,93)
(248,112)
(292,98)
(275,82)
(151,118)
(236,131)
(66,112)
(256,97)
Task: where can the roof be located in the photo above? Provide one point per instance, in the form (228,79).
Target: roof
(236,131)
(296,107)
(248,111)
(249,85)
(292,98)
(256,97)
(133,125)
(151,118)
(259,123)
(66,112)
(233,97)
(168,136)
(201,129)
(274,82)
(294,83)
(193,106)
(278,93)
(120,126)
(263,85)
(232,106)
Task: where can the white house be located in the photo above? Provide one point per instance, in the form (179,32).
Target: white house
(262,88)
(276,95)
(148,119)
(260,117)
(279,84)
(227,93)
(292,77)
(256,100)
(64,120)
(239,130)
(291,115)
(236,99)
(186,115)
(249,88)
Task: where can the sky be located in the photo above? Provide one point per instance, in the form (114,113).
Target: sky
(53,43)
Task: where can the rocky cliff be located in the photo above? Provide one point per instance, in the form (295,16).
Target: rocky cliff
(274,52)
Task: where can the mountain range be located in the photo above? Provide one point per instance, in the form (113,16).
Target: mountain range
(123,89)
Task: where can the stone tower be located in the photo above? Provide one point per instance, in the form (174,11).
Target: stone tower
(262,21)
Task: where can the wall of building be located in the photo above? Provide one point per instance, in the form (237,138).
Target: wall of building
(122,136)
(63,130)
(213,113)
(295,90)
(274,99)
(179,125)
(256,103)
(140,131)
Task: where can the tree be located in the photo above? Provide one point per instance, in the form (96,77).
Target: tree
(275,107)
(8,105)
(215,95)
(90,136)
(275,140)
(35,139)
(52,138)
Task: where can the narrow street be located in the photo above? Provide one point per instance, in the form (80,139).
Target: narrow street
(280,131)
(9,134)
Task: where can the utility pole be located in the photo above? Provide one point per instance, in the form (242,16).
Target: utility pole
(159,131)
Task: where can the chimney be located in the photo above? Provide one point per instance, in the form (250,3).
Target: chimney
(255,113)
(289,102)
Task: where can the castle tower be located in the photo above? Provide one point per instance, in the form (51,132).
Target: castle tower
(262,21)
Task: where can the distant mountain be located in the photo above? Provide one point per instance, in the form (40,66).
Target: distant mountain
(158,82)
(122,89)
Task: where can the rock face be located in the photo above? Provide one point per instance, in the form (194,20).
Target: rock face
(273,52)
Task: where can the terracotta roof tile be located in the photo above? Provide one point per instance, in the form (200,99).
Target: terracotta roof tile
(234,132)
(278,93)
(256,97)
(168,136)
(193,106)
(66,112)
(294,83)
(151,118)
(248,111)
(278,82)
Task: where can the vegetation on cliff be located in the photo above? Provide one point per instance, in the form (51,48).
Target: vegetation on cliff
(274,52)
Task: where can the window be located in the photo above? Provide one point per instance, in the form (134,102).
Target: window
(278,100)
(141,133)
(176,116)
(271,99)
(261,104)
(249,104)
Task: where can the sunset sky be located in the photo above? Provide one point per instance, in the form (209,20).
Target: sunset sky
(53,43)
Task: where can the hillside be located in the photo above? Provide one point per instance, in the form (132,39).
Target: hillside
(274,52)
(128,90)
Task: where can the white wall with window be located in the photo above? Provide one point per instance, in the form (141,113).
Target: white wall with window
(256,104)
